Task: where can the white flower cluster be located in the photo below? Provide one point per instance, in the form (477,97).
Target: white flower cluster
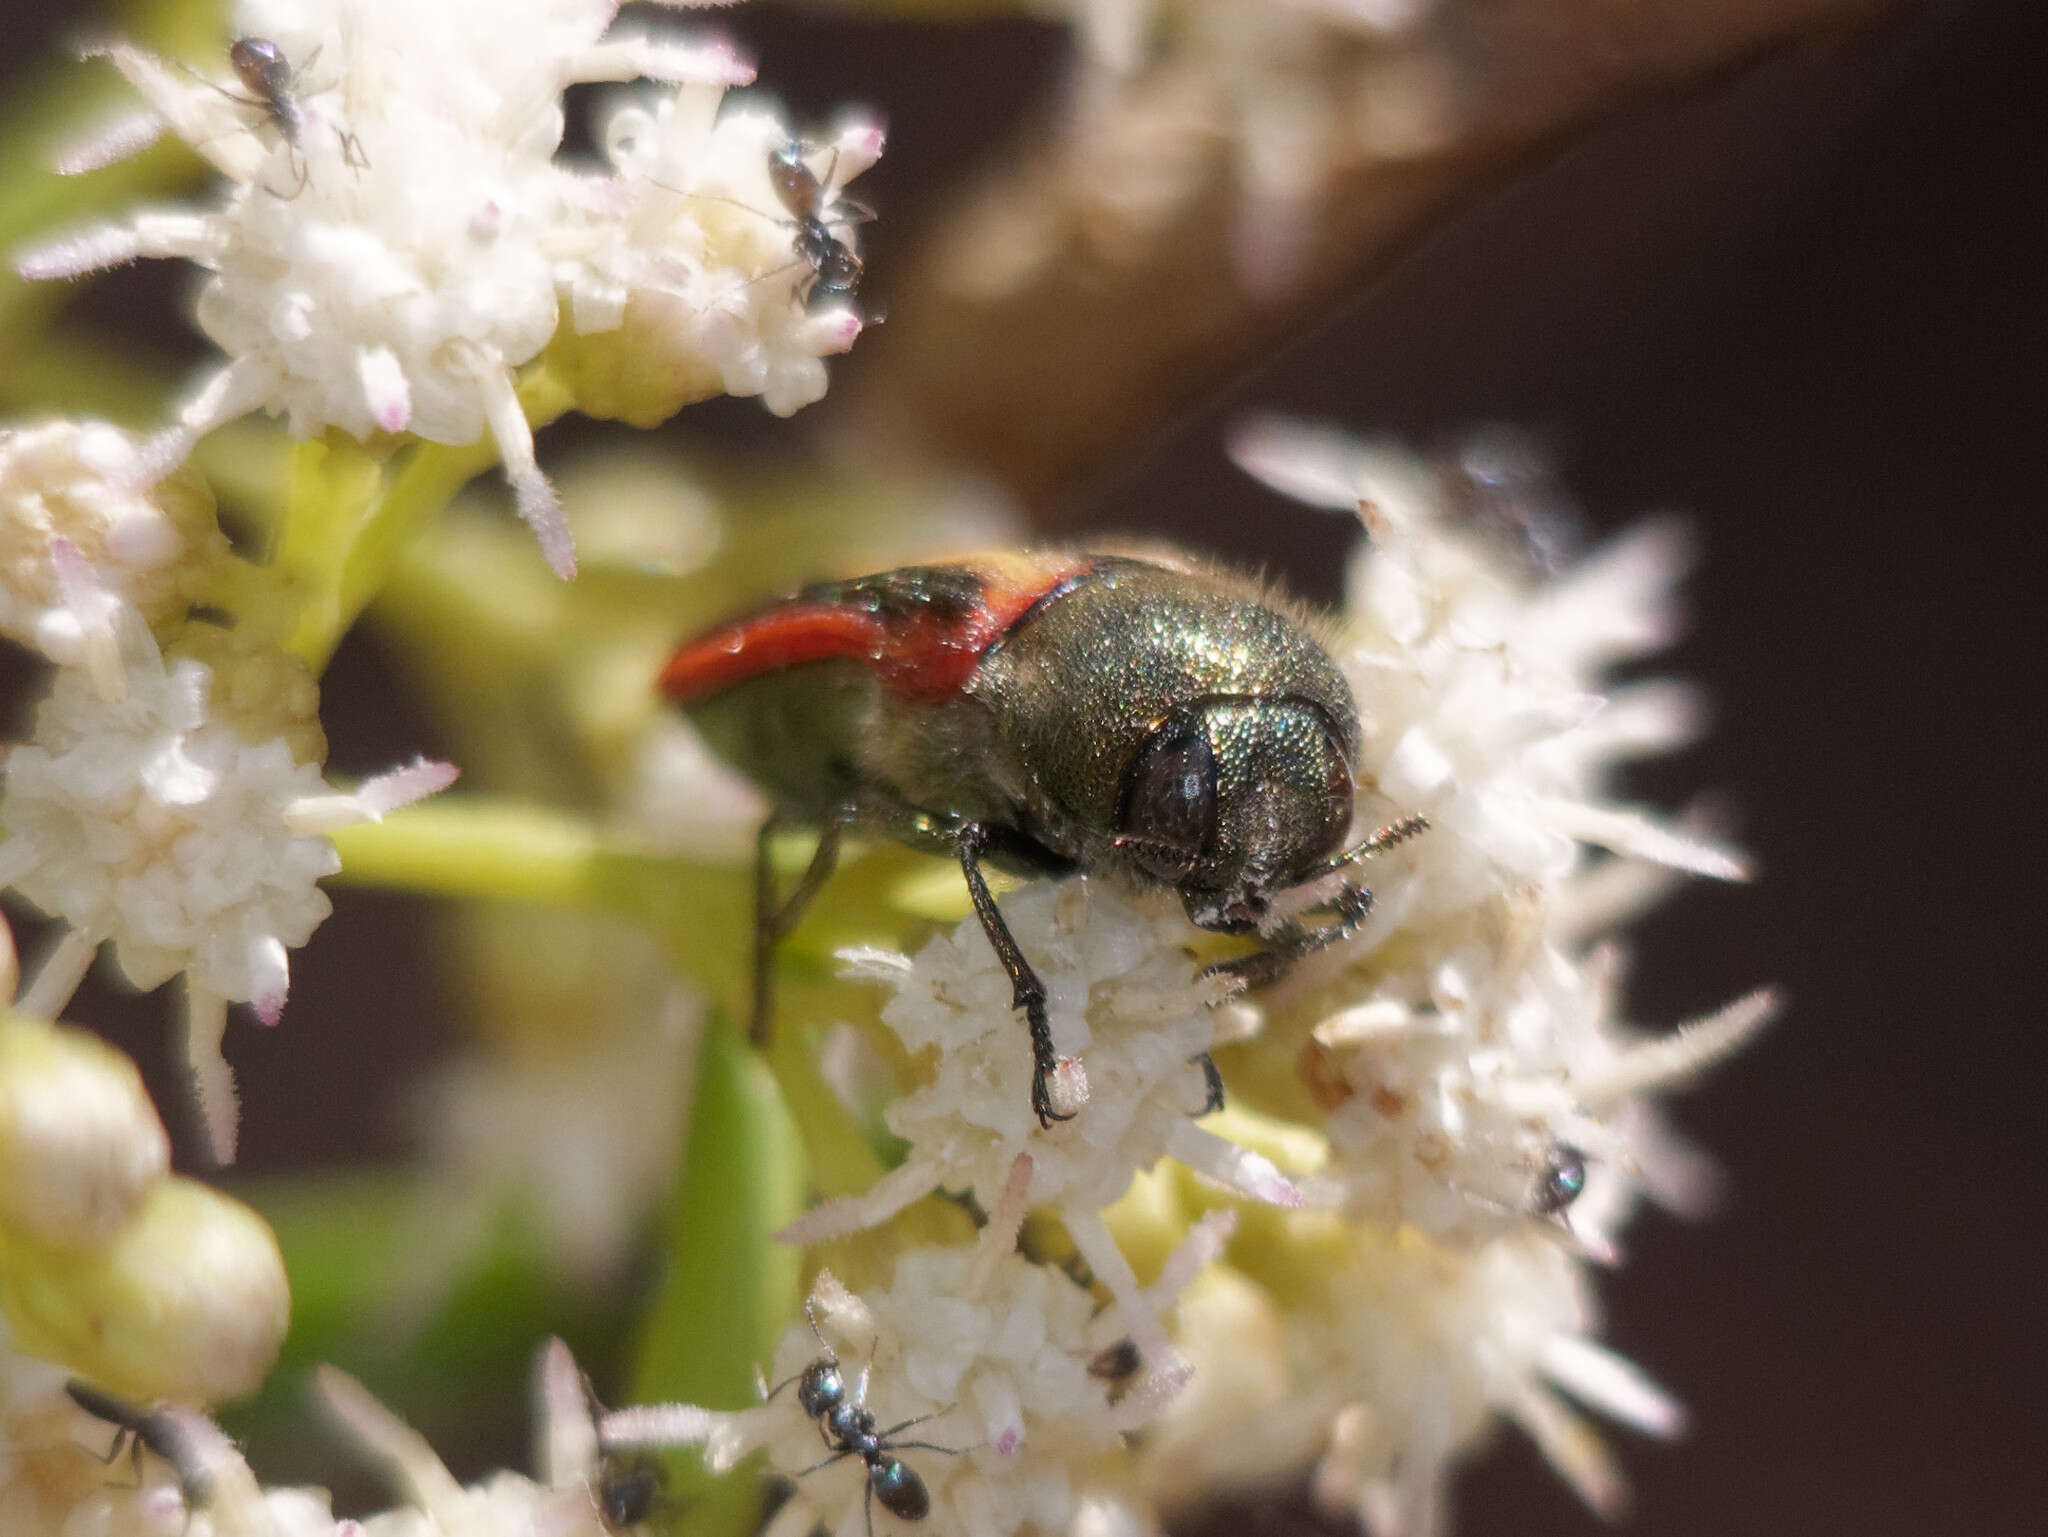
(398,233)
(1463,1044)
(173,808)
(1492,1043)
(996,1381)
(1400,1364)
(78,540)
(54,1483)
(1120,988)
(693,263)
(175,819)
(1484,1126)
(1285,99)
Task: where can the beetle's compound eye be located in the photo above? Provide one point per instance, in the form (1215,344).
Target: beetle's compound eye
(1169,806)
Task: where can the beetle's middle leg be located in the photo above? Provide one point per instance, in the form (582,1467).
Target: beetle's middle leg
(772,919)
(1026,991)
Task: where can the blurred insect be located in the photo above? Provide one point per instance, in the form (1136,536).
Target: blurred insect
(628,1489)
(847,1426)
(1117,1366)
(1560,1180)
(630,1484)
(1048,711)
(1501,482)
(138,1429)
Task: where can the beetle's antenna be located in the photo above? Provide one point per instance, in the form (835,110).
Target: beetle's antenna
(1387,837)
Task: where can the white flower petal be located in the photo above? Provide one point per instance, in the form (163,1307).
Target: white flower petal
(109,142)
(1233,1167)
(1618,1388)
(213,1081)
(1687,1051)
(1629,833)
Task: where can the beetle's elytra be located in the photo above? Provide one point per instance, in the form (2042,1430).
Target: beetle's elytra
(1047,711)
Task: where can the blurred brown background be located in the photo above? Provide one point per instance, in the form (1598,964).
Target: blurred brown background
(1800,305)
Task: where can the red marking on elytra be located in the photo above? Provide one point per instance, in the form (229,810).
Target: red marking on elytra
(928,654)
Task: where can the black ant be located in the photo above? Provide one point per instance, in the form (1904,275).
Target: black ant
(269,78)
(151,1428)
(274,90)
(848,1427)
(835,267)
(1561,1180)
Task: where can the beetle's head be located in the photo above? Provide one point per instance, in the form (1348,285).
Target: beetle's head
(1233,798)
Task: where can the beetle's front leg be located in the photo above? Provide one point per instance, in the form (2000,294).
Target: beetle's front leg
(1351,904)
(1026,991)
(773,920)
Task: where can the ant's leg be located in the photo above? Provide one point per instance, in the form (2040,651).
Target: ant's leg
(817,1466)
(1026,991)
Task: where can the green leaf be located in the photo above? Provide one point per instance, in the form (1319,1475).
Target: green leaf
(730,1289)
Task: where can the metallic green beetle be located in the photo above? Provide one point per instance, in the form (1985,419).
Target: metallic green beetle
(1048,711)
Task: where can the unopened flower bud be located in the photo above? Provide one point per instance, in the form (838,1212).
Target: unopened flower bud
(189,1303)
(80,1142)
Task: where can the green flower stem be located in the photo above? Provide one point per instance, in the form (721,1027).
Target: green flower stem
(730,1288)
(475,846)
(412,497)
(330,487)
